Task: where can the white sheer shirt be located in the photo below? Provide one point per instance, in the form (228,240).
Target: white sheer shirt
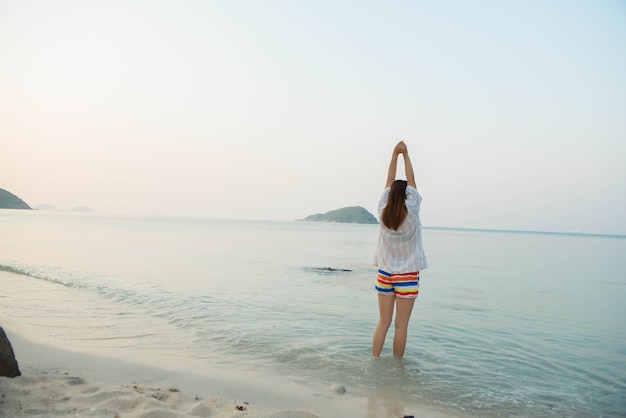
(401,251)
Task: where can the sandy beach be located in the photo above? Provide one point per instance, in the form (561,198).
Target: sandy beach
(59,383)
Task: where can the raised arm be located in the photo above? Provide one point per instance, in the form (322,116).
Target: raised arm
(408,169)
(400,148)
(393,164)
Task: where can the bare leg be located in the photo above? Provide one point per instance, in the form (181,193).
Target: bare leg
(385,309)
(404,307)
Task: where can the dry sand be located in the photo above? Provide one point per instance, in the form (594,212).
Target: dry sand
(60,383)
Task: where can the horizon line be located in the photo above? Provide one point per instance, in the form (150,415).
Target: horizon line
(443,228)
(522,231)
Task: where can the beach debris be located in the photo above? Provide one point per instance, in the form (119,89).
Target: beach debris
(159,396)
(174,390)
(409,416)
(241,407)
(338,389)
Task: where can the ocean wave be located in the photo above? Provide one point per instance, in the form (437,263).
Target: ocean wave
(175,308)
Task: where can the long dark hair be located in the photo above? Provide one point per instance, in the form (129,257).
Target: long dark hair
(394,213)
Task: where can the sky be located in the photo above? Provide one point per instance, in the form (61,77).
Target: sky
(513,112)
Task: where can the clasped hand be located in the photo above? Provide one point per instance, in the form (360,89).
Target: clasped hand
(400,148)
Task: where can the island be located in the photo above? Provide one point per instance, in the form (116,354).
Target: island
(9,201)
(350,214)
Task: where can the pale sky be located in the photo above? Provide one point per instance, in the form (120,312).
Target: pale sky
(514,112)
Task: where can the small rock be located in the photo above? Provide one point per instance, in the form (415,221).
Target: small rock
(8,363)
(338,389)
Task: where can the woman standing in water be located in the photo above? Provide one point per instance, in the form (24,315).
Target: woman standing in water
(399,253)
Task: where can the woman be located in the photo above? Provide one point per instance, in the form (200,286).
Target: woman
(399,253)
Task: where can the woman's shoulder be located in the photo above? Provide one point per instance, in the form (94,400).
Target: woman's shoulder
(413,195)
(412,191)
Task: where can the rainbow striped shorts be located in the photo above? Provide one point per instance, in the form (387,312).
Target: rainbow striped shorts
(402,285)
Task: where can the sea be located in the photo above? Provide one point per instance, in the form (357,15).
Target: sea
(507,323)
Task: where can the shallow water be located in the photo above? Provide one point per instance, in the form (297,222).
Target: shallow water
(506,323)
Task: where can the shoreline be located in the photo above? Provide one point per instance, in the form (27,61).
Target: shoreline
(56,382)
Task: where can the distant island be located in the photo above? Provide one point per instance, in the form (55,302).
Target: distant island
(9,201)
(350,214)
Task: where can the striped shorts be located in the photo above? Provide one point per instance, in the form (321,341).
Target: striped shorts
(402,285)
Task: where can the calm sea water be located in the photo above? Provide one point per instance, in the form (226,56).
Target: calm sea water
(506,324)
